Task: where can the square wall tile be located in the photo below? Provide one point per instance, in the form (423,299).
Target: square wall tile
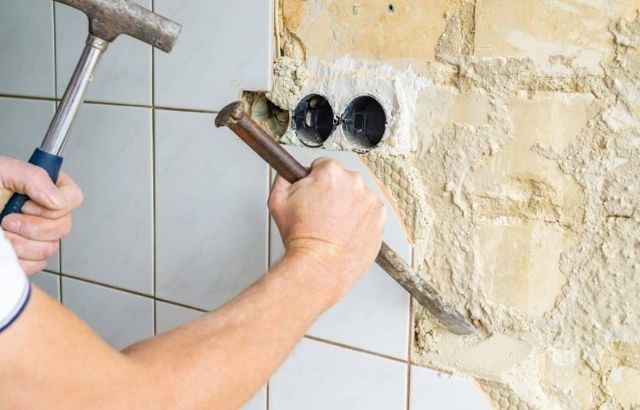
(433,390)
(123,74)
(225,47)
(319,376)
(23,124)
(211,204)
(375,313)
(120,318)
(109,155)
(48,282)
(26,48)
(169,316)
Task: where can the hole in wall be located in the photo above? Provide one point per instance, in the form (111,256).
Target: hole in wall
(364,122)
(391,8)
(314,120)
(272,118)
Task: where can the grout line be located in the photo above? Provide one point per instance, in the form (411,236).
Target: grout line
(353,348)
(182,305)
(104,285)
(408,399)
(154,215)
(268,394)
(29,97)
(55,51)
(411,336)
(110,103)
(117,104)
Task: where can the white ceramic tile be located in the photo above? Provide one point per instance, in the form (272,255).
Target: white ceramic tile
(169,316)
(48,282)
(375,313)
(319,376)
(258,402)
(123,74)
(109,155)
(431,390)
(211,211)
(26,48)
(225,47)
(23,124)
(120,318)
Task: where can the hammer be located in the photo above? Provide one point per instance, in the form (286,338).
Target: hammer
(107,20)
(235,117)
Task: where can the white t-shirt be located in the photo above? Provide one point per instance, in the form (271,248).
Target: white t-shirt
(14,284)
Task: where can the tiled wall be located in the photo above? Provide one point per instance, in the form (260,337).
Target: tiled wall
(175,220)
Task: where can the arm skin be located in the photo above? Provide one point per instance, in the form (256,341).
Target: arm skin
(216,362)
(331,226)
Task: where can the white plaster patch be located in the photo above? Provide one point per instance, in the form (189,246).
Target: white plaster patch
(345,79)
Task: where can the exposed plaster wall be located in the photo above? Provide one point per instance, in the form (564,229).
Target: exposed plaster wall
(513,154)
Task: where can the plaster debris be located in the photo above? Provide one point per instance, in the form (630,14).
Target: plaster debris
(515,169)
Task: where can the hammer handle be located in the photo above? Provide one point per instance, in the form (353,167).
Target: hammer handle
(269,150)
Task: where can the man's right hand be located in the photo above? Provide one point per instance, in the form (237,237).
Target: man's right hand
(332,221)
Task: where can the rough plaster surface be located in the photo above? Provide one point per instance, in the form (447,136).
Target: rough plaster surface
(513,155)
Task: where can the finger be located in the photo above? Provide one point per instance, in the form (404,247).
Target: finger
(29,250)
(320,162)
(32,181)
(36,228)
(71,192)
(326,167)
(278,193)
(32,267)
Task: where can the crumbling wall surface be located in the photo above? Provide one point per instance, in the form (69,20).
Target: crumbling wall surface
(513,153)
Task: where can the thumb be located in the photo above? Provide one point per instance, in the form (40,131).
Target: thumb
(279,184)
(24,178)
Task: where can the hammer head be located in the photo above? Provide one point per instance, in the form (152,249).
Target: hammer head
(110,18)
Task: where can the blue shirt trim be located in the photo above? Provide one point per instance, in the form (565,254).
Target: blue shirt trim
(19,311)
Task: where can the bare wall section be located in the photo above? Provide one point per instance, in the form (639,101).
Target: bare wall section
(513,153)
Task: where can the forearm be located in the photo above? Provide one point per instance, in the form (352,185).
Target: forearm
(221,360)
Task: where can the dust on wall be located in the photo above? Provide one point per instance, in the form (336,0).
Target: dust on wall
(513,154)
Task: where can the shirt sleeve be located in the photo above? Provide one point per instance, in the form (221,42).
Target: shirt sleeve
(15,288)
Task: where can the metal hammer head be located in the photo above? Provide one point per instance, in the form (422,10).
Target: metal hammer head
(110,18)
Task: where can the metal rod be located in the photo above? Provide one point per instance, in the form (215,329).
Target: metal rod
(56,135)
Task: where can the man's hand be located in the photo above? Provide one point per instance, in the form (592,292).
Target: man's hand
(45,219)
(331,220)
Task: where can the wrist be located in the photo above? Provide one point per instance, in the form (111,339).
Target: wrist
(312,277)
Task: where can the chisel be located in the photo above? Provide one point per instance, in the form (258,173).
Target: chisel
(235,118)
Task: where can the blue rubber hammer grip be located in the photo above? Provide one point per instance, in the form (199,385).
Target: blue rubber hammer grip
(50,163)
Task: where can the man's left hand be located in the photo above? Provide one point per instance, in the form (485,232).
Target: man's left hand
(45,218)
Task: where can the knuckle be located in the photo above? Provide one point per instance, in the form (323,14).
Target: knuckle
(51,249)
(358,180)
(30,229)
(37,173)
